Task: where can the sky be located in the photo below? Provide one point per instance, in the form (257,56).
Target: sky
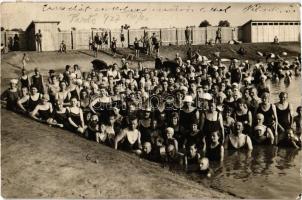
(153,15)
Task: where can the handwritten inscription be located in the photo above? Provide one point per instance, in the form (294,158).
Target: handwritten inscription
(262,8)
(84,8)
(87,13)
(77,18)
(126,9)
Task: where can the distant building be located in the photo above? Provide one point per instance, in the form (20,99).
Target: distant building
(49,31)
(266,30)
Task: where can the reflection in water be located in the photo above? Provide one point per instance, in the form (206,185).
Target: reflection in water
(266,167)
(268,171)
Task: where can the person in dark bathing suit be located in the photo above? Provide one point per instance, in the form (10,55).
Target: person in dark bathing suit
(43,111)
(24,80)
(284,113)
(23,101)
(34,99)
(212,121)
(243,115)
(75,117)
(215,151)
(238,140)
(130,137)
(188,113)
(191,159)
(60,115)
(270,115)
(11,95)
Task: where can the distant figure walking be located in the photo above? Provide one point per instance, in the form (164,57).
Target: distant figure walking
(122,36)
(136,47)
(25,59)
(98,41)
(218,36)
(94,48)
(113,46)
(155,43)
(16,43)
(39,41)
(187,35)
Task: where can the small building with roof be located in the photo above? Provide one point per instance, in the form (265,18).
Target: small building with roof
(49,31)
(255,31)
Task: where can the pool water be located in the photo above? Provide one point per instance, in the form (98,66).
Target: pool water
(269,172)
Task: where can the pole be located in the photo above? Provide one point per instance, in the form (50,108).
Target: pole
(176,36)
(128,37)
(71,40)
(160,37)
(192,35)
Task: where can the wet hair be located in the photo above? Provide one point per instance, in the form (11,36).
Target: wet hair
(228,109)
(175,115)
(298,108)
(265,93)
(240,101)
(67,67)
(194,121)
(32,86)
(282,94)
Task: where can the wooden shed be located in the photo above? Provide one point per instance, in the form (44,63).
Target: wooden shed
(266,30)
(49,31)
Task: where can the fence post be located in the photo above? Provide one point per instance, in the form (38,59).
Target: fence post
(160,37)
(128,38)
(110,39)
(176,36)
(5,42)
(206,35)
(71,40)
(192,35)
(144,42)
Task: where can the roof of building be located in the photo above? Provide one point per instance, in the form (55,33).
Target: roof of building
(35,22)
(250,21)
(46,22)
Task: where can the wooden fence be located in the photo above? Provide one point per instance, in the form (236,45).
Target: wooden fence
(79,39)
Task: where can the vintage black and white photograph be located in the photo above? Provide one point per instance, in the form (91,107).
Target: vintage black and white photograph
(151,100)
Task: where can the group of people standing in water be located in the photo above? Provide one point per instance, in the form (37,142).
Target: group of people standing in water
(191,114)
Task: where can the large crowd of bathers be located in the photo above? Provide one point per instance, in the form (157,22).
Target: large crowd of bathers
(191,113)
